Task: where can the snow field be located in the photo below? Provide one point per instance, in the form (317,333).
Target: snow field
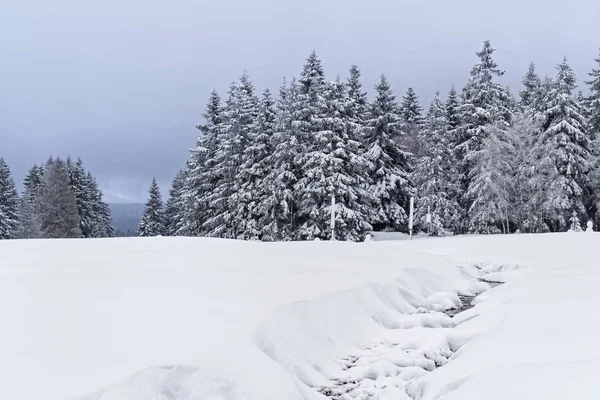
(215,319)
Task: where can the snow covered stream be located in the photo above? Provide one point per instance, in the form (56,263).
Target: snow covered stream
(190,319)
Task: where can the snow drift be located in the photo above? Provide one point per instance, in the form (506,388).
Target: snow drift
(178,318)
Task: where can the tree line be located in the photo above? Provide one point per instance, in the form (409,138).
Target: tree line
(60,200)
(480,161)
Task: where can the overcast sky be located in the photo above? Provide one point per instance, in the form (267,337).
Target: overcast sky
(122,83)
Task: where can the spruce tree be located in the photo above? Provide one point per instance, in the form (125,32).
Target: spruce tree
(565,142)
(389,169)
(56,204)
(9,203)
(531,96)
(281,205)
(411,113)
(153,219)
(358,104)
(452,104)
(176,205)
(593,106)
(203,175)
(491,183)
(485,107)
(252,190)
(28,220)
(225,202)
(594,100)
(435,174)
(101,221)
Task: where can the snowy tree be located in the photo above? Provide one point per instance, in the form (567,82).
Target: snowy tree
(485,107)
(204,170)
(491,183)
(251,188)
(593,104)
(411,114)
(56,204)
(28,220)
(527,189)
(594,100)
(358,104)
(331,162)
(94,213)
(389,169)
(224,201)
(101,221)
(452,116)
(280,206)
(9,203)
(153,219)
(531,95)
(565,142)
(175,207)
(435,174)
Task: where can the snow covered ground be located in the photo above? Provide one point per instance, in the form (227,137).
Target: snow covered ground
(190,319)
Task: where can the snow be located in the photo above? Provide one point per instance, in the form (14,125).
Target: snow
(187,319)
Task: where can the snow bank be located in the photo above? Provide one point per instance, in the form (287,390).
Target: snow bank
(201,317)
(190,319)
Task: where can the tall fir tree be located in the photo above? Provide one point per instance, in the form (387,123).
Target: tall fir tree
(9,203)
(485,107)
(411,114)
(281,205)
(252,190)
(531,95)
(176,204)
(565,144)
(389,169)
(593,105)
(452,104)
(358,104)
(153,219)
(435,174)
(102,220)
(203,175)
(491,183)
(28,219)
(56,204)
(594,100)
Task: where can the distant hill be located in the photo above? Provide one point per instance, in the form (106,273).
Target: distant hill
(126,217)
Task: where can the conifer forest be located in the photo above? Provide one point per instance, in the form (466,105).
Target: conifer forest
(479,159)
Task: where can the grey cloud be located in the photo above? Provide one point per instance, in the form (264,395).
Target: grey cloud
(122,84)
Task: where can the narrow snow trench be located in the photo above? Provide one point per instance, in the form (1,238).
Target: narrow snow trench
(407,335)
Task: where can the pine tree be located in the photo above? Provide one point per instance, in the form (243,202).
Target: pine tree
(239,118)
(593,106)
(491,183)
(452,115)
(280,205)
(594,100)
(411,113)
(9,203)
(203,175)
(358,104)
(252,191)
(435,174)
(175,207)
(153,219)
(531,96)
(102,221)
(485,107)
(389,169)
(565,142)
(56,204)
(28,220)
